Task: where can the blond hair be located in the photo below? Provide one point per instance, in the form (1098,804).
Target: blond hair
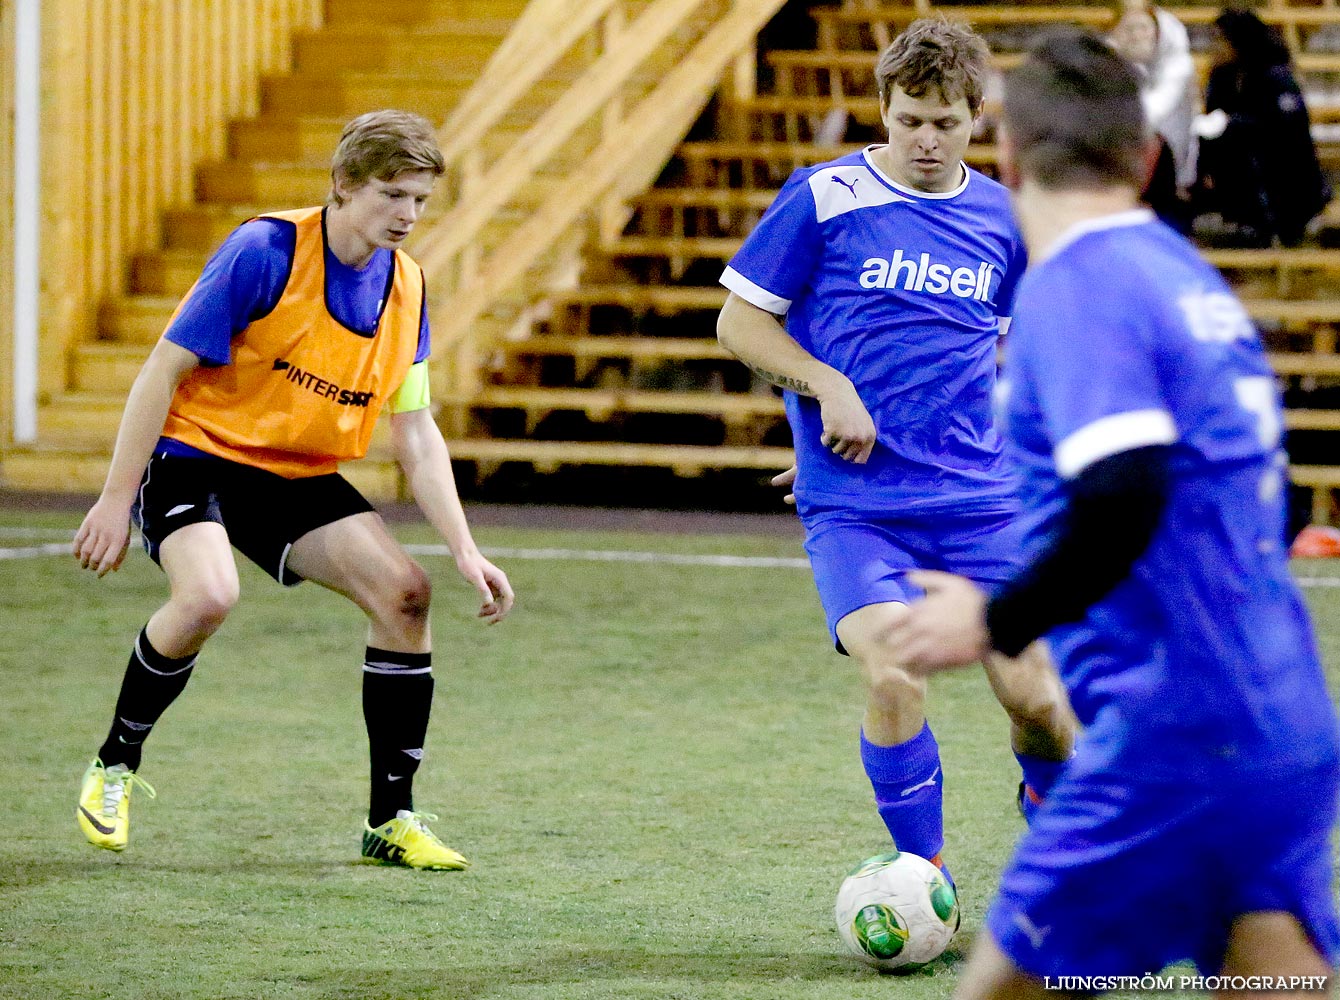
(382,144)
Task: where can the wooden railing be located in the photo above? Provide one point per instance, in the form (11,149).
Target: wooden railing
(634,143)
(140,93)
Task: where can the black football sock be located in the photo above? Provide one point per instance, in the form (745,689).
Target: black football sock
(397,698)
(151,684)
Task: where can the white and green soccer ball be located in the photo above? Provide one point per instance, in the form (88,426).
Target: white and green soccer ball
(896,911)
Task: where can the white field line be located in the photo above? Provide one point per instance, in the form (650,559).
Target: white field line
(551,555)
(616,555)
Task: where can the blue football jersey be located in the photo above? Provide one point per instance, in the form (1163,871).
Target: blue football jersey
(902,292)
(1123,337)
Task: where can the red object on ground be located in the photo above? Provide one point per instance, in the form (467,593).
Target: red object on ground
(1316,542)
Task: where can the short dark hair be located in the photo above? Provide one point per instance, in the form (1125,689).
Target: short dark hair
(381,144)
(1073,114)
(935,53)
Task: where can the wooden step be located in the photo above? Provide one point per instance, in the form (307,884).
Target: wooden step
(655,298)
(681,247)
(81,420)
(1312,420)
(601,403)
(704,197)
(350,94)
(420,12)
(106,367)
(1293,312)
(449,46)
(863,61)
(82,470)
(203,226)
(636,348)
(135,319)
(307,139)
(1315,363)
(165,273)
(548,456)
(276,185)
(1096,16)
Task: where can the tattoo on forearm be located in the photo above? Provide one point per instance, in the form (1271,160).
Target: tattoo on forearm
(785,381)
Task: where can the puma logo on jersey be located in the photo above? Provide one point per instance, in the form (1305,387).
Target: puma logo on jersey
(921,274)
(850,186)
(314,383)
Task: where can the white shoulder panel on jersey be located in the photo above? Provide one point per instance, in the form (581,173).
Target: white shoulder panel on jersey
(837,190)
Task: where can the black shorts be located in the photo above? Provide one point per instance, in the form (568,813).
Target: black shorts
(263,513)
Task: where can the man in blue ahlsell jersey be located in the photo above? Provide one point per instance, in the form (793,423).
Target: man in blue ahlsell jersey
(1193,821)
(894,269)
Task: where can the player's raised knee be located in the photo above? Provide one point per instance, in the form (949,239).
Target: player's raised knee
(207,606)
(410,592)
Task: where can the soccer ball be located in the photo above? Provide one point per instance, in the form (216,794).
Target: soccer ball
(896,911)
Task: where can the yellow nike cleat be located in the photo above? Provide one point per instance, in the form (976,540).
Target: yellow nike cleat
(104,804)
(407,841)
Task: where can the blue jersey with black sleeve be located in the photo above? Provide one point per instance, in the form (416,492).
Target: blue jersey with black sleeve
(1124,338)
(901,291)
(244,280)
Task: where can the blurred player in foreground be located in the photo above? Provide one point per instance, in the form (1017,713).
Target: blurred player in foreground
(1193,821)
(273,370)
(895,268)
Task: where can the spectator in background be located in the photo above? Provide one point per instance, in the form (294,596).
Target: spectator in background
(1258,167)
(1156,44)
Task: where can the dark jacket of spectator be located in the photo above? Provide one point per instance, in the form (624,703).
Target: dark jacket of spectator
(1261,171)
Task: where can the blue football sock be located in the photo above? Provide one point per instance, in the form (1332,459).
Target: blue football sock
(1039,776)
(907,783)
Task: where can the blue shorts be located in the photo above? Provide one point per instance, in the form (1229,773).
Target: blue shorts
(1123,877)
(860,561)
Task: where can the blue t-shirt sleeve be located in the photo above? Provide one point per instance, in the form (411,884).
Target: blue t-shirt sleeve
(242,282)
(779,257)
(1091,354)
(425,347)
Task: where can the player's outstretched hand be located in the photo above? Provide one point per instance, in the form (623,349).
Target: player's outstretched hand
(100,543)
(491,582)
(786,480)
(849,432)
(947,627)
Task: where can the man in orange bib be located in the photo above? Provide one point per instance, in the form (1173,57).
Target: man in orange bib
(272,371)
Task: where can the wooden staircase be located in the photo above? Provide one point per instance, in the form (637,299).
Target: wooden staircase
(596,345)
(623,368)
(436,57)
(416,54)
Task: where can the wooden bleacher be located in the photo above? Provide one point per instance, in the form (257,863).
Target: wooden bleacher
(621,366)
(631,349)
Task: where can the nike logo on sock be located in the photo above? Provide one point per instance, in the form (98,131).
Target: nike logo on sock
(394,777)
(918,787)
(128,743)
(181,508)
(107,830)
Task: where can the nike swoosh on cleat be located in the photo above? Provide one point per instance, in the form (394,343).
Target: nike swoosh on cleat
(108,830)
